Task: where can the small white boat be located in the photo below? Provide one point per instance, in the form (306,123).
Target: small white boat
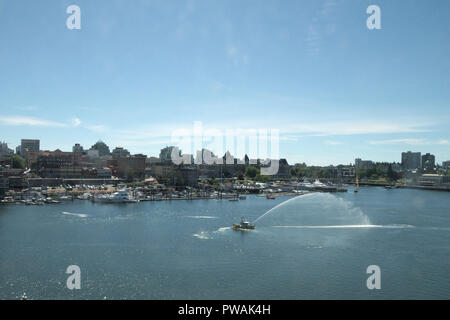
(121,196)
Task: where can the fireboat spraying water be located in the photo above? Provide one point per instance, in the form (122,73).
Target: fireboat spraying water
(244,225)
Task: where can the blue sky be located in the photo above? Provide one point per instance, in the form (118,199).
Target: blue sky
(138,70)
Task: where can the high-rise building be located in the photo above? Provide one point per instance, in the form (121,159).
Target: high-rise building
(77,148)
(166,154)
(132,167)
(446,164)
(411,160)
(428,161)
(4,150)
(28,145)
(120,152)
(363,164)
(103,149)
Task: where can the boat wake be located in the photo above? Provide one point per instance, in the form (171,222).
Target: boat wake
(201,217)
(81,215)
(351,226)
(223,229)
(201,235)
(204,235)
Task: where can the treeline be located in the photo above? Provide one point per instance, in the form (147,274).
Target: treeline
(303,171)
(379,171)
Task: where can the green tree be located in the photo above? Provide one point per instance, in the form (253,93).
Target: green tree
(251,172)
(18,162)
(392,176)
(262,178)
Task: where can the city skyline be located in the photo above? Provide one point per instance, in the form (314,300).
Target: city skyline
(113,148)
(134,74)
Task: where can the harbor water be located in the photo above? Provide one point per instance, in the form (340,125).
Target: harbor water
(316,246)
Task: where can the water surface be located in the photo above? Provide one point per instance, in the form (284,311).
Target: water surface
(316,246)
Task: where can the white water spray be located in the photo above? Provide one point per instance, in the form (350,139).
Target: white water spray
(392,226)
(278,205)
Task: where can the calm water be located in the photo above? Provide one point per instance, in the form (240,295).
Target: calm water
(306,248)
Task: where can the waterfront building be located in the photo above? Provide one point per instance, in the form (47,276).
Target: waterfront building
(102,148)
(433,180)
(189,175)
(4,183)
(132,167)
(411,160)
(59,164)
(163,172)
(104,173)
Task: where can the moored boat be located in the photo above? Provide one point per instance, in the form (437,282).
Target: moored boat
(121,196)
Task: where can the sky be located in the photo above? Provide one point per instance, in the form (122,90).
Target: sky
(138,71)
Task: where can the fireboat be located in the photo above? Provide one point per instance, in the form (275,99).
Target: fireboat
(244,225)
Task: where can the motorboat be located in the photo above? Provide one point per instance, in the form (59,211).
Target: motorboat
(121,196)
(244,225)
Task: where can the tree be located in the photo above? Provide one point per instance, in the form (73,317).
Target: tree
(391,174)
(251,172)
(261,178)
(18,162)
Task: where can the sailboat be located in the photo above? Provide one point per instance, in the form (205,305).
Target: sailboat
(357,185)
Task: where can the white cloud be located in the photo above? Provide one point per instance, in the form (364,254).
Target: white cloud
(320,24)
(28,121)
(411,142)
(97,128)
(353,128)
(332,143)
(236,56)
(232,51)
(27,108)
(217,86)
(76,122)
